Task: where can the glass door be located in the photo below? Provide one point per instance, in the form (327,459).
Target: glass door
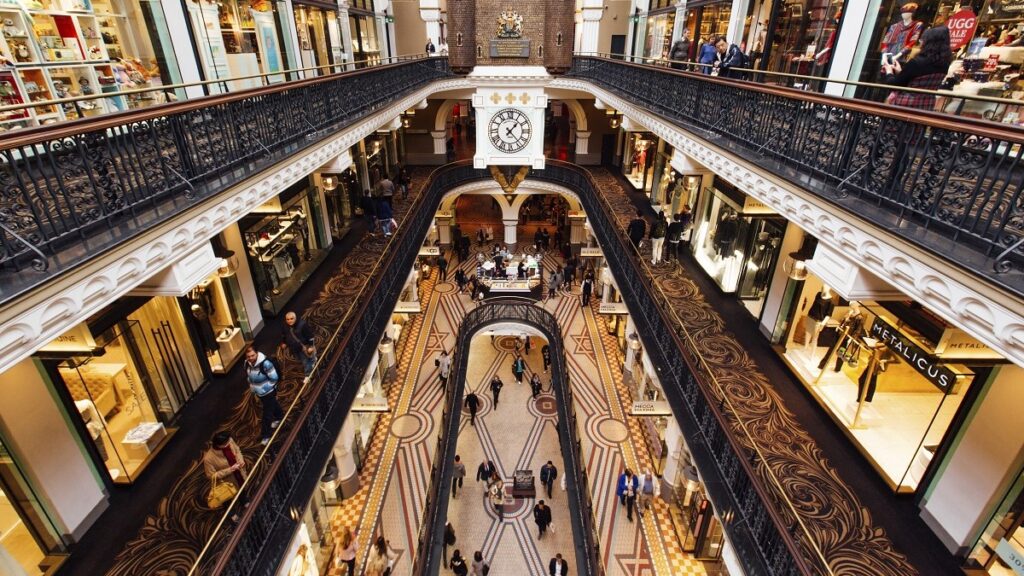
(27,536)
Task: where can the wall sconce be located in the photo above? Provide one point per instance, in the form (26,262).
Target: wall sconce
(615,121)
(510,198)
(634,342)
(330,183)
(405,121)
(795,266)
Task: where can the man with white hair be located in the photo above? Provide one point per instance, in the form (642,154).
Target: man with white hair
(297,336)
(650,487)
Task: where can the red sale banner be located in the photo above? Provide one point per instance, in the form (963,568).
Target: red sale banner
(961,28)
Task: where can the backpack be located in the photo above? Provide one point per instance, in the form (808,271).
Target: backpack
(658,229)
(277,367)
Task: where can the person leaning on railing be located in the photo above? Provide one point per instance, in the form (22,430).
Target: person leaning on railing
(680,51)
(926,71)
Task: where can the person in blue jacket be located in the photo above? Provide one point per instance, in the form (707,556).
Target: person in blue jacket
(626,491)
(708,55)
(263,378)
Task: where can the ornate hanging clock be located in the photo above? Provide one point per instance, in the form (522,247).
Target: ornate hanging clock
(509,130)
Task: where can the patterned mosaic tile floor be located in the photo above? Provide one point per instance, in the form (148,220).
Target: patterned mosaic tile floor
(394,486)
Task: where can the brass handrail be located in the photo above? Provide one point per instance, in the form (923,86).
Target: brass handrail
(662,62)
(344,67)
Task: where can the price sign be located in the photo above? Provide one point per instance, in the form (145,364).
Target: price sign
(961,28)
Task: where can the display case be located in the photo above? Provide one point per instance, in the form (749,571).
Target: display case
(61,49)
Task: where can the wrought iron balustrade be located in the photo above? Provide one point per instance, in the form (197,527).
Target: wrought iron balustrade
(762,526)
(951,185)
(578,490)
(70,191)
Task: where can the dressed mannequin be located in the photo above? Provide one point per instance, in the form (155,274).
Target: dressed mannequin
(639,160)
(818,314)
(903,34)
(763,250)
(851,329)
(725,234)
(206,334)
(885,358)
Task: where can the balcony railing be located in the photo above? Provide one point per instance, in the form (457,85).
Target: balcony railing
(950,185)
(75,189)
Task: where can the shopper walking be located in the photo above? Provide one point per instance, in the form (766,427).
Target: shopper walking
(496,494)
(444,367)
(346,552)
(224,463)
(458,564)
(658,231)
(586,288)
(680,51)
(496,385)
(472,402)
(486,471)
(449,540)
(442,268)
(558,566)
(518,368)
(381,559)
(458,475)
(479,567)
(262,376)
(460,279)
(542,516)
(548,473)
(297,336)
(637,229)
(649,488)
(626,491)
(535,385)
(675,233)
(545,353)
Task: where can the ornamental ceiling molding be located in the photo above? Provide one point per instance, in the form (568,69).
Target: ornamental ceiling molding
(959,297)
(35,320)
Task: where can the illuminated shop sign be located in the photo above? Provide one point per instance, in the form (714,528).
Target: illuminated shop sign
(940,376)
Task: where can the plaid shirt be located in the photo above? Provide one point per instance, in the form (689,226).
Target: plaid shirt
(914,99)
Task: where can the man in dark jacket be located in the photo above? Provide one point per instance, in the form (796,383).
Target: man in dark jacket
(548,473)
(680,51)
(732,58)
(297,336)
(542,516)
(473,403)
(675,233)
(637,229)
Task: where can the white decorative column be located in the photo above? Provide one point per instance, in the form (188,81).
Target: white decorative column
(388,356)
(736,21)
(364,170)
(577,229)
(633,349)
(510,232)
(430,12)
(346,34)
(606,282)
(348,475)
(182,46)
(582,143)
(680,21)
(591,13)
(439,142)
(673,454)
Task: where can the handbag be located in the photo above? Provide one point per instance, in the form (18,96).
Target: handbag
(220,493)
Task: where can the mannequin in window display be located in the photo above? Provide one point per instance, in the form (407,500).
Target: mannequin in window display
(762,258)
(725,235)
(639,158)
(818,315)
(851,328)
(869,377)
(903,34)
(205,329)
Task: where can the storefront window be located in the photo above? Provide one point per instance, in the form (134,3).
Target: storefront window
(659,34)
(707,19)
(638,159)
(873,366)
(101,46)
(318,37)
(365,47)
(285,243)
(694,517)
(1002,541)
(238,38)
(803,35)
(123,396)
(27,535)
(218,316)
(987,61)
(736,240)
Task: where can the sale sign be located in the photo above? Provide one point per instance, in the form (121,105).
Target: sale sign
(961,28)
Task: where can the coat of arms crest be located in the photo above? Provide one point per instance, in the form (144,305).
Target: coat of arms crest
(510,24)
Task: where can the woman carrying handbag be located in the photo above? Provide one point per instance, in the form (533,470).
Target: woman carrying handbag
(224,465)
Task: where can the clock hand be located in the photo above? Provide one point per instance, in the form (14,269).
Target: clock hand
(508,131)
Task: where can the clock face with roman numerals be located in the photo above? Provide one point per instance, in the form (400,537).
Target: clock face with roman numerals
(509,130)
